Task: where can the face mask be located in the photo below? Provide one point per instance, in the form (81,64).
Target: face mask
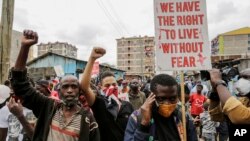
(111,91)
(166,109)
(243,86)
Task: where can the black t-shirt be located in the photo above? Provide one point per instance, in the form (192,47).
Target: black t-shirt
(111,129)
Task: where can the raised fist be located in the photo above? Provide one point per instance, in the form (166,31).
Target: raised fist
(29,38)
(97,52)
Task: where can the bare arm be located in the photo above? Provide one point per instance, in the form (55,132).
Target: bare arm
(86,77)
(17,110)
(28,128)
(223,92)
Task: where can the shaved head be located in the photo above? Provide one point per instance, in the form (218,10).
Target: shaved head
(69,90)
(69,77)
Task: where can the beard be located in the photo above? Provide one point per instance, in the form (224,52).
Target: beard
(69,102)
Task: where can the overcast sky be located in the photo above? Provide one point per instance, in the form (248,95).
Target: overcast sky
(88,23)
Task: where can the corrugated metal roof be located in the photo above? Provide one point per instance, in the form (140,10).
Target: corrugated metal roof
(50,54)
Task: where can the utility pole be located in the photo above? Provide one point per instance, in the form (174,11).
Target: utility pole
(142,55)
(5,38)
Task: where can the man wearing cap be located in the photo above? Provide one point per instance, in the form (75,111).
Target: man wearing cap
(4,95)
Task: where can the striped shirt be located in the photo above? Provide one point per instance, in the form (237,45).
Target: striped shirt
(62,131)
(209,126)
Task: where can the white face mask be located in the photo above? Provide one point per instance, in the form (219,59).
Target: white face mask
(243,86)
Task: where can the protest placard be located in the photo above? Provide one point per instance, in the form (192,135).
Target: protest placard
(181,35)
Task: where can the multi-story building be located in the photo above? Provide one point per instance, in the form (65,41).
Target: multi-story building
(236,42)
(60,48)
(135,55)
(15,47)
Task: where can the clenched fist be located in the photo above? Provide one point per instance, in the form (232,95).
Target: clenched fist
(29,38)
(97,52)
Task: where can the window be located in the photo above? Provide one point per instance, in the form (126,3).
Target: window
(129,48)
(248,35)
(249,42)
(128,68)
(128,61)
(248,48)
(128,54)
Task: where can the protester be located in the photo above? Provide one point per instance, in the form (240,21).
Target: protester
(15,120)
(160,118)
(146,89)
(136,97)
(7,83)
(208,126)
(4,95)
(111,114)
(197,100)
(56,120)
(123,94)
(43,87)
(222,131)
(125,88)
(187,96)
(119,83)
(237,111)
(204,88)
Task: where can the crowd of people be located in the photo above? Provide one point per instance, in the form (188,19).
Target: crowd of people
(118,109)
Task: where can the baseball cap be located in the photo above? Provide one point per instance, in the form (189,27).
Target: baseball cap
(4,93)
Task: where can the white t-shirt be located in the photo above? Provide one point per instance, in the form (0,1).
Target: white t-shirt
(15,129)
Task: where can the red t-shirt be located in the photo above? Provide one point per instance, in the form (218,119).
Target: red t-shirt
(197,101)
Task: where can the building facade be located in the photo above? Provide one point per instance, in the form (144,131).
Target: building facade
(15,47)
(60,48)
(136,55)
(51,65)
(236,42)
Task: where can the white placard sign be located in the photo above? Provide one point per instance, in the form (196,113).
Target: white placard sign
(181,35)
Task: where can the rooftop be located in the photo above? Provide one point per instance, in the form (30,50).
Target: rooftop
(240,31)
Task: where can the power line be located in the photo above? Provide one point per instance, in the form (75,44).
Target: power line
(106,12)
(117,16)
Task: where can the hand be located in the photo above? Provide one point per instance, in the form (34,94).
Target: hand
(97,52)
(215,76)
(15,108)
(146,110)
(196,119)
(29,38)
